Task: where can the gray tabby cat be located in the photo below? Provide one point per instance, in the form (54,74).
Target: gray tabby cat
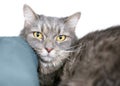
(93,60)
(52,39)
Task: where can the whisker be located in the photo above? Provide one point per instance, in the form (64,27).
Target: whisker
(69,51)
(73,48)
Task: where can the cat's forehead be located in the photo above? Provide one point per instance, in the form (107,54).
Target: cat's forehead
(51,24)
(51,21)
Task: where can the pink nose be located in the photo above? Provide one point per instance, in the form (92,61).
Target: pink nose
(49,49)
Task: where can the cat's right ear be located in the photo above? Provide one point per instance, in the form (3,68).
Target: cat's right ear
(29,15)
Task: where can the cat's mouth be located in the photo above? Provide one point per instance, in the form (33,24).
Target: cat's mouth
(46,59)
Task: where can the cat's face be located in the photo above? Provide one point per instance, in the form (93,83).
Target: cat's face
(50,37)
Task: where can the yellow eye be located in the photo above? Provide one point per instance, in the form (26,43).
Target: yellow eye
(38,35)
(61,38)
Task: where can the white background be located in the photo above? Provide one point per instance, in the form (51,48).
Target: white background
(96,14)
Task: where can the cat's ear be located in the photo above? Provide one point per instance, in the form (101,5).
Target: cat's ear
(29,14)
(72,20)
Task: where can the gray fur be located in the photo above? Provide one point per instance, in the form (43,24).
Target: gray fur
(96,62)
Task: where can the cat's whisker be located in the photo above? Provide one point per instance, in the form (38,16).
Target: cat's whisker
(74,47)
(72,50)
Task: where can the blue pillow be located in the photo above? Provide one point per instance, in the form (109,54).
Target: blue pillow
(18,63)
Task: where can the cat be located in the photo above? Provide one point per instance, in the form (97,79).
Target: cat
(52,39)
(65,60)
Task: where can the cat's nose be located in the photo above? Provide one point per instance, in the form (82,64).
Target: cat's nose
(49,49)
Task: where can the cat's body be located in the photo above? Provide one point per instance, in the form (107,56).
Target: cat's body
(97,61)
(66,61)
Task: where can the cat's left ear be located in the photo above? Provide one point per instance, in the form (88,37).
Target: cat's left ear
(72,20)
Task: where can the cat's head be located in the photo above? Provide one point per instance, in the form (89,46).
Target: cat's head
(50,37)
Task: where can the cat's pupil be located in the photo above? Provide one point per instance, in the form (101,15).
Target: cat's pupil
(60,36)
(38,33)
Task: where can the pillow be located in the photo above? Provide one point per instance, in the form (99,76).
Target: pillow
(18,63)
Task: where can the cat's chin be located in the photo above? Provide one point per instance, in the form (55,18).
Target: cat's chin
(47,67)
(50,64)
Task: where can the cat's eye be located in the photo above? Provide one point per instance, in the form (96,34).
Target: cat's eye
(61,38)
(38,35)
